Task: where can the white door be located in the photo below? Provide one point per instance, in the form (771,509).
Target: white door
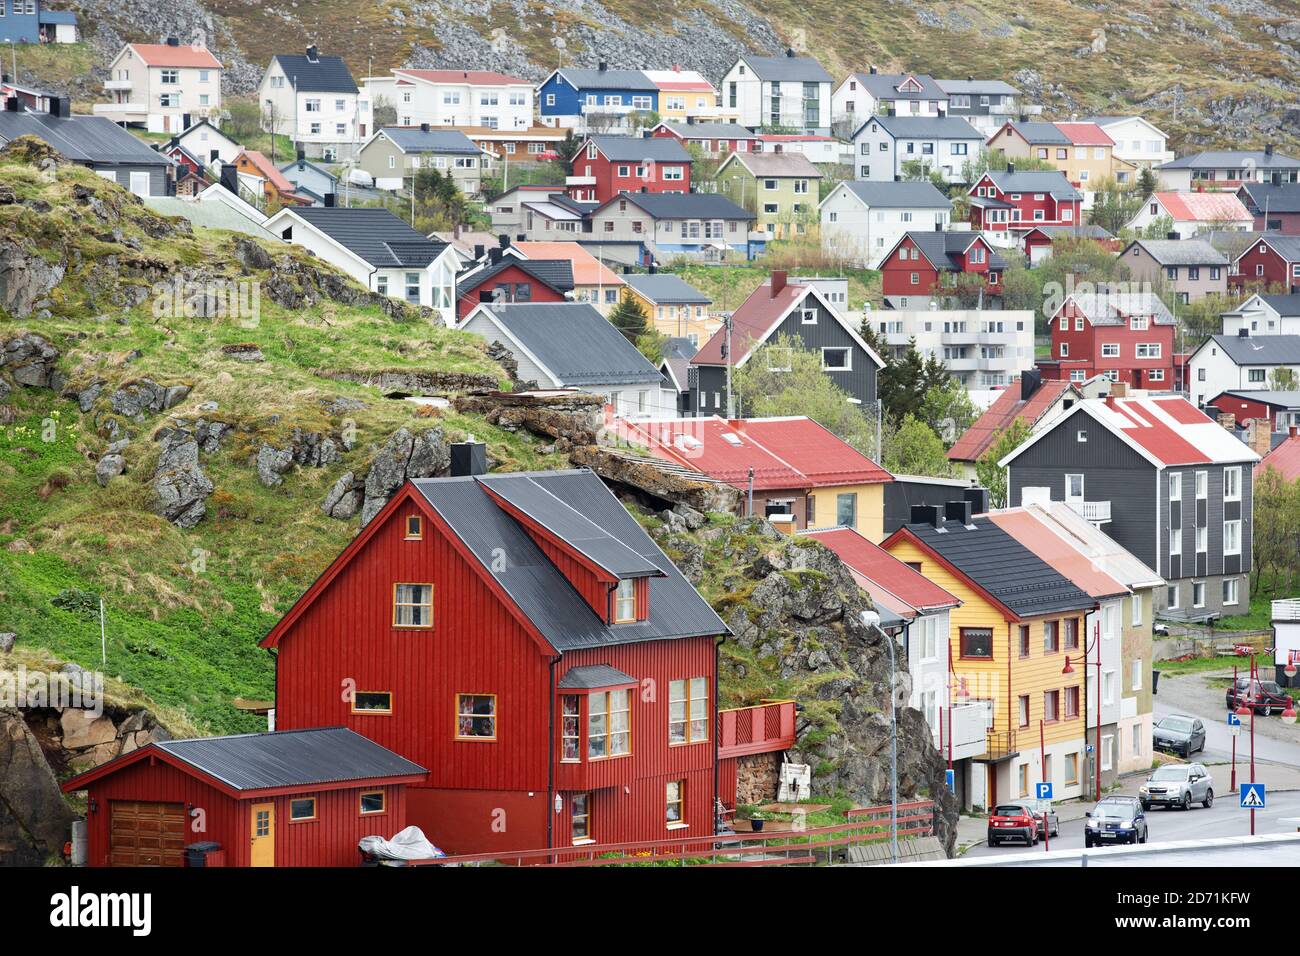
(140,184)
(1073,488)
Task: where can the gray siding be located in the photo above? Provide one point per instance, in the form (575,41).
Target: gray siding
(122,173)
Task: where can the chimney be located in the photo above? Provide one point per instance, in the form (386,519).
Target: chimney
(779,277)
(12,104)
(1119,389)
(871,70)
(970,78)
(1211,411)
(302,154)
(1172,235)
(1024,117)
(602,66)
(478,252)
(926,514)
(186,121)
(1260,436)
(1227,419)
(60,106)
(1291,433)
(311,54)
(789,52)
(1276,179)
(468,458)
(652,269)
(229,178)
(1268,149)
(172,41)
(328,199)
(957,511)
(1030,380)
(503,241)
(494,255)
(978,498)
(424,127)
(1243,333)
(1011,169)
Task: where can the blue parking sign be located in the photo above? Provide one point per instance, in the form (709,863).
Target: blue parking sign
(1233,719)
(951,779)
(1044,791)
(1253,796)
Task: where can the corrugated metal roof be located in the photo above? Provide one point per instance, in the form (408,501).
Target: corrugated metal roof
(1034,181)
(607,79)
(597,675)
(1204,206)
(325,74)
(1006,408)
(946,250)
(1260,349)
(555,273)
(413,139)
(1285,459)
(1038,132)
(888,580)
(685,205)
(636,149)
(1182,252)
(376,235)
(82,139)
(290,758)
(792,68)
(709,130)
(938,127)
(777,164)
(663,287)
(898,195)
(1284,198)
(1233,159)
(886,86)
(542,593)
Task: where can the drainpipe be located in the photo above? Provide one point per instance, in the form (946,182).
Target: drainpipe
(550,754)
(717,736)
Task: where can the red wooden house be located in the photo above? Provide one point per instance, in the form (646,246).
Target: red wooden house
(714,139)
(605,166)
(928,263)
(1275,206)
(1010,201)
(301,798)
(188,171)
(1272,262)
(521,636)
(509,278)
(1126,336)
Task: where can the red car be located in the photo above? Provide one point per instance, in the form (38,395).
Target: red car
(1013,821)
(1265,695)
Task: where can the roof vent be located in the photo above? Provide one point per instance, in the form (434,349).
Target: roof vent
(1243,333)
(602,66)
(958,511)
(926,514)
(312,54)
(173,41)
(731,438)
(1172,235)
(1030,381)
(1011,169)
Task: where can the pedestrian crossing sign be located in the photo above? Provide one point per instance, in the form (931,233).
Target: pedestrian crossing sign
(1253,796)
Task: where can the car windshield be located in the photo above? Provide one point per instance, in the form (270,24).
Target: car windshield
(1180,725)
(1114,811)
(1271,687)
(1010,810)
(1170,773)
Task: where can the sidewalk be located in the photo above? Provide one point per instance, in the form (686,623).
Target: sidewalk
(973,830)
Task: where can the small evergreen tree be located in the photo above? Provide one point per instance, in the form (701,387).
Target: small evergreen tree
(630,317)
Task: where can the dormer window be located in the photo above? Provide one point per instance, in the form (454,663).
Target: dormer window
(414,527)
(625,601)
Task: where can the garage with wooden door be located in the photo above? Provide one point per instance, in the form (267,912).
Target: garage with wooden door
(144,833)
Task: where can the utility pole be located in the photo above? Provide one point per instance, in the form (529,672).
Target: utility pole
(731,405)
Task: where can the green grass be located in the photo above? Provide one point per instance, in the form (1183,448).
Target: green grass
(1196,665)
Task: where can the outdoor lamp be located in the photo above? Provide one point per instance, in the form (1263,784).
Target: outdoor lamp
(1288,715)
(1290,669)
(1067,669)
(1245,713)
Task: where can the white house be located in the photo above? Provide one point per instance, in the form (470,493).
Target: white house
(1239,362)
(1264,315)
(862,95)
(205,142)
(787,91)
(450,98)
(164,87)
(982,349)
(1137,140)
(1195,212)
(864,220)
(884,147)
(378,250)
(312,99)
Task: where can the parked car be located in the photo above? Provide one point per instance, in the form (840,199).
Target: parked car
(1116,819)
(1179,734)
(1178,785)
(1266,694)
(1012,821)
(1049,823)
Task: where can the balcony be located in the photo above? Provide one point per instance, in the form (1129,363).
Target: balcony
(764,728)
(579,180)
(999,745)
(122,112)
(1094,512)
(968,726)
(112,85)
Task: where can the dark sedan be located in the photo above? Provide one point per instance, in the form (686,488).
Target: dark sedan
(1263,696)
(1179,734)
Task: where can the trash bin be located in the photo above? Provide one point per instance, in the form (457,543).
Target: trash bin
(196,854)
(1155,682)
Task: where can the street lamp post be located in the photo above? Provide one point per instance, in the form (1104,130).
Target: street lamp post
(871,619)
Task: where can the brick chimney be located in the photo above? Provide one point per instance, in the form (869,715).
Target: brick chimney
(1260,437)
(1119,389)
(779,277)
(1227,419)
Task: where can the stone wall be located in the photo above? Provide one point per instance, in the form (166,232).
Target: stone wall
(757,778)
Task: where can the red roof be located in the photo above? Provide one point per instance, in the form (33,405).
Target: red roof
(160,54)
(268,172)
(470,77)
(1085,134)
(784,453)
(988,428)
(749,323)
(1285,459)
(888,580)
(1204,206)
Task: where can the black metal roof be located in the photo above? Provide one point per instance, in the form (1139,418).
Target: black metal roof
(376,235)
(575,343)
(1003,567)
(91,140)
(637,149)
(536,585)
(945,249)
(556,273)
(290,758)
(685,205)
(414,139)
(325,74)
(597,675)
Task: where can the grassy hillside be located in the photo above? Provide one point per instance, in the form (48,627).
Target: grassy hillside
(185,609)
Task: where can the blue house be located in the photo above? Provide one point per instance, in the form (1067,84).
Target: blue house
(599,100)
(26,21)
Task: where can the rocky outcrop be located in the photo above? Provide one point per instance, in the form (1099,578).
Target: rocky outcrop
(34,819)
(307,449)
(30,359)
(413,381)
(138,399)
(345,497)
(653,482)
(181,488)
(404,456)
(26,278)
(570,418)
(295,283)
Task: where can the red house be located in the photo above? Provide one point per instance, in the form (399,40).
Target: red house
(928,263)
(1003,201)
(1282,409)
(525,639)
(605,166)
(1275,206)
(714,139)
(1271,262)
(508,278)
(1126,336)
(298,798)
(188,172)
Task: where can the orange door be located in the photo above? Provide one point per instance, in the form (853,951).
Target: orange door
(262,840)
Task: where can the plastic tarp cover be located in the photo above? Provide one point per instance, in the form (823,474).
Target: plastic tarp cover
(409,844)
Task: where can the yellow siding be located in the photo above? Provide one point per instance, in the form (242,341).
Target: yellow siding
(989,679)
(871,509)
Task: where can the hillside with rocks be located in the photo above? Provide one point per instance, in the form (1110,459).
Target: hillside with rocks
(1215,74)
(195,465)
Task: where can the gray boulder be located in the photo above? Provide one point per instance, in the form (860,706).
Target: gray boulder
(272,463)
(109,467)
(135,400)
(7,640)
(403,456)
(35,821)
(344,499)
(180,486)
(30,360)
(25,279)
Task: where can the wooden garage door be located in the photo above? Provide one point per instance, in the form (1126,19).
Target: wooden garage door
(147,834)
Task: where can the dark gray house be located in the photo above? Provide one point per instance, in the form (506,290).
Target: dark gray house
(1164,481)
(783,307)
(95,142)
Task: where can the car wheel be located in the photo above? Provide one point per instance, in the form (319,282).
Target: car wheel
(1056,831)
(1146,807)
(1143,837)
(993,841)
(1087,843)
(1187,802)
(1209,799)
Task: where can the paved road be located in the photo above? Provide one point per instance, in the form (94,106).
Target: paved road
(1223,819)
(1275,742)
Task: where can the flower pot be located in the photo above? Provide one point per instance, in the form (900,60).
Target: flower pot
(757,825)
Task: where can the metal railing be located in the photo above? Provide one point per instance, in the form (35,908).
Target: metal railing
(1097,512)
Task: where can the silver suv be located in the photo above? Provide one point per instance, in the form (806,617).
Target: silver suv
(1178,785)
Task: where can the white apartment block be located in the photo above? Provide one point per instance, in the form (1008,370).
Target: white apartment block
(164,87)
(982,349)
(791,92)
(451,98)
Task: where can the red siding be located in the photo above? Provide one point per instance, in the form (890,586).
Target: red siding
(1276,271)
(540,292)
(896,278)
(1246,409)
(1085,349)
(609,183)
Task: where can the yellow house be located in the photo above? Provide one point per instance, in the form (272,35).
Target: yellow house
(687,96)
(676,308)
(1018,622)
(1083,151)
